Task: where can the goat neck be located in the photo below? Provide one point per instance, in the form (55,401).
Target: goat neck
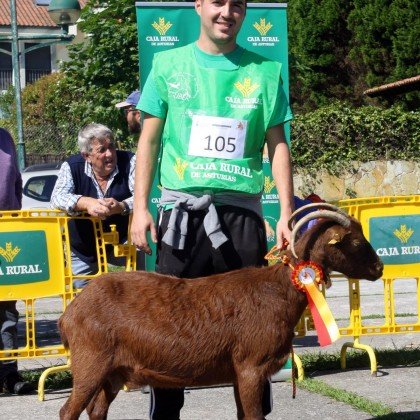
(280,276)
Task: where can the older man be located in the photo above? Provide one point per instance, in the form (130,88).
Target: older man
(100,181)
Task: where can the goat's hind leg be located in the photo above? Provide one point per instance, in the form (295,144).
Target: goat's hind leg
(99,406)
(87,382)
(76,403)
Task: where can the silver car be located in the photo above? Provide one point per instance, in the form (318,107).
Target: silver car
(38,184)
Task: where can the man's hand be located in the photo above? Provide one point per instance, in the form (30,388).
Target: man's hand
(114,206)
(141,223)
(95,207)
(282,231)
(100,207)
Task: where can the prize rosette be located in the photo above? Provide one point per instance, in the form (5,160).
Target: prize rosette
(306,276)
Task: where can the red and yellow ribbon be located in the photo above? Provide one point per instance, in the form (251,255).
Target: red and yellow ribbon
(306,276)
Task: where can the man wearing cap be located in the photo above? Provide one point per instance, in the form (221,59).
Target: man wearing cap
(132,114)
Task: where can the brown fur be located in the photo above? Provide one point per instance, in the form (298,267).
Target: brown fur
(141,328)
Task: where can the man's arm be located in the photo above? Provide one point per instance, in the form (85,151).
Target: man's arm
(146,162)
(281,167)
(64,198)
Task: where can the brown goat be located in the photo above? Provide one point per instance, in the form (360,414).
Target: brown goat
(140,328)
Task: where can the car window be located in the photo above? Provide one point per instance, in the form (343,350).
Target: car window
(40,187)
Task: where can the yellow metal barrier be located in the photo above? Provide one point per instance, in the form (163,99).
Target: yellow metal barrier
(392,225)
(35,264)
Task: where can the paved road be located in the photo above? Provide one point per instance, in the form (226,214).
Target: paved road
(396,387)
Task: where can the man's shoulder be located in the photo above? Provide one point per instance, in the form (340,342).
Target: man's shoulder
(174,52)
(75,159)
(124,158)
(124,154)
(6,137)
(255,58)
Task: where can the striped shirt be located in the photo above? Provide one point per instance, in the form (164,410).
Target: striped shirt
(63,197)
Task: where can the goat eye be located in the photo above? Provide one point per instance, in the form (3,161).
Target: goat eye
(355,243)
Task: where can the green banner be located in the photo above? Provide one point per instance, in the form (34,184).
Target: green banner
(396,239)
(23,257)
(164,25)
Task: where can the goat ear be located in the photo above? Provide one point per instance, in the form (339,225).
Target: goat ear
(338,237)
(335,239)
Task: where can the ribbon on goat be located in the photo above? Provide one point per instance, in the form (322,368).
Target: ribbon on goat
(306,276)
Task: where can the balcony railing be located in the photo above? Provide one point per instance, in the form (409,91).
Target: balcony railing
(34,74)
(6,77)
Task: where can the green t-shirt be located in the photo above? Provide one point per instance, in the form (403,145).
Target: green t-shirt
(152,103)
(217,110)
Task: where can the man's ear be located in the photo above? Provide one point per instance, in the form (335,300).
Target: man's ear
(197,6)
(85,156)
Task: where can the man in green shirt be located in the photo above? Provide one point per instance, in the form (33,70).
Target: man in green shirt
(209,110)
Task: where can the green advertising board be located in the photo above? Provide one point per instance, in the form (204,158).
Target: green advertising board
(392,226)
(167,25)
(396,239)
(23,257)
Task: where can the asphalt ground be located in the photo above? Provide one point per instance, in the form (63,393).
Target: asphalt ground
(396,387)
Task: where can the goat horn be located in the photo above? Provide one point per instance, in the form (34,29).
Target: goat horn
(312,206)
(339,217)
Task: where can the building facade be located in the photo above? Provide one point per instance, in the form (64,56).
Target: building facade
(32,20)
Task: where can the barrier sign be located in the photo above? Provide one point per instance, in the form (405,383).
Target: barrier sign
(396,239)
(32,254)
(392,226)
(23,257)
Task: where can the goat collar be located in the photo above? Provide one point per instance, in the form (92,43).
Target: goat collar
(306,277)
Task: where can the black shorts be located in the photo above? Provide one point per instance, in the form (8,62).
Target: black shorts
(246,245)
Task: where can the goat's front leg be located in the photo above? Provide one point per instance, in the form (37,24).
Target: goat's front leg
(248,394)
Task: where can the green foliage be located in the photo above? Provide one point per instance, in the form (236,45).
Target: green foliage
(47,127)
(339,49)
(104,69)
(332,137)
(8,110)
(385,45)
(354,400)
(319,361)
(318,43)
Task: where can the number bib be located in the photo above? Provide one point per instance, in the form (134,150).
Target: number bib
(217,137)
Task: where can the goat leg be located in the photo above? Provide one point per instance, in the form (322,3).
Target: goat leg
(88,380)
(249,393)
(98,407)
(239,409)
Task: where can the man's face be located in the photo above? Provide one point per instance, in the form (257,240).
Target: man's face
(133,119)
(103,157)
(221,20)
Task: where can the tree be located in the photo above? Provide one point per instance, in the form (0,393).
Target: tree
(318,44)
(385,45)
(104,69)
